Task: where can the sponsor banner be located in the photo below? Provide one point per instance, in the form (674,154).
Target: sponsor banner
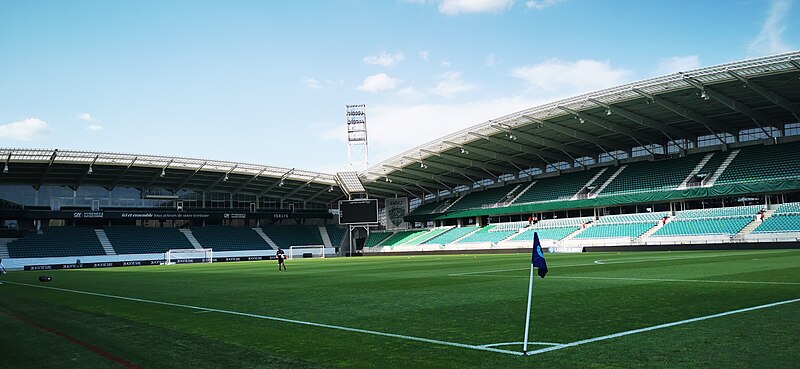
(93,265)
(396,210)
(144,262)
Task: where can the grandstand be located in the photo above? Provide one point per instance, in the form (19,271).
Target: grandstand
(629,166)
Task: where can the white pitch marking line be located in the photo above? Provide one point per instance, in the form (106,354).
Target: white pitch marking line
(666,325)
(676,280)
(519,343)
(622,261)
(646,279)
(266,317)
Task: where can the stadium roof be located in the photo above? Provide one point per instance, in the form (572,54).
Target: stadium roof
(727,98)
(39,167)
(711,101)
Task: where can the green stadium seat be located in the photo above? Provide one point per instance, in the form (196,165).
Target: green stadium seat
(227,238)
(57,242)
(145,240)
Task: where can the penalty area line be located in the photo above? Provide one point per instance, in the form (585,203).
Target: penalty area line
(660,326)
(285,320)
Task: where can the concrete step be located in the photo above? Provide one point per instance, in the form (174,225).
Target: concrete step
(326,238)
(266,238)
(190,236)
(105,242)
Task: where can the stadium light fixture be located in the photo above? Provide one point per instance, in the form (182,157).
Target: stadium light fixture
(465,152)
(163,173)
(280,184)
(90,170)
(226,178)
(330,189)
(581,120)
(5,168)
(704,95)
(608,111)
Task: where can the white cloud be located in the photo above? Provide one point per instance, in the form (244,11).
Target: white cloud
(450,84)
(86,117)
(24,130)
(541,4)
(556,77)
(313,84)
(384,59)
(379,82)
(94,127)
(411,92)
(678,64)
(424,54)
(491,60)
(445,63)
(769,40)
(456,7)
(396,128)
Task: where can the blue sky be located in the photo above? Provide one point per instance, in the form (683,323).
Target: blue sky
(267,81)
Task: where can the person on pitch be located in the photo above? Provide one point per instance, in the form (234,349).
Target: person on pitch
(281,256)
(2,269)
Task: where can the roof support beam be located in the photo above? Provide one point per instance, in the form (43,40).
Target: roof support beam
(452,169)
(422,174)
(769,95)
(514,161)
(670,132)
(570,151)
(599,141)
(296,190)
(410,181)
(277,183)
(760,119)
(400,187)
(318,194)
(249,181)
(189,177)
(47,170)
(85,174)
(158,175)
(711,124)
(224,177)
(610,126)
(469,162)
(519,147)
(121,175)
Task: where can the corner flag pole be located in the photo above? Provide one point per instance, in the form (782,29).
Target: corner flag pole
(537,260)
(528,313)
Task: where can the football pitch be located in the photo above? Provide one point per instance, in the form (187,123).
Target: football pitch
(721,309)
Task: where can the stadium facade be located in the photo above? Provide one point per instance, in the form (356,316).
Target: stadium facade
(704,156)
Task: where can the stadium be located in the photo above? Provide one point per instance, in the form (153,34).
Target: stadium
(667,209)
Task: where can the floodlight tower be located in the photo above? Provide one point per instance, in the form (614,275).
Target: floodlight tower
(357,149)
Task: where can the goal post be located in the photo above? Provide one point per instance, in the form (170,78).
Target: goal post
(316,251)
(181,256)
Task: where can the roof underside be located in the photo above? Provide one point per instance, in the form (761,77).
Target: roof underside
(711,101)
(112,170)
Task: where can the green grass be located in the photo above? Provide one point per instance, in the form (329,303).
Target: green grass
(414,296)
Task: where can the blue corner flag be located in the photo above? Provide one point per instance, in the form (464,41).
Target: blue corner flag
(537,259)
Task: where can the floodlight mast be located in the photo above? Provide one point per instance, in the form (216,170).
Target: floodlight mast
(357,148)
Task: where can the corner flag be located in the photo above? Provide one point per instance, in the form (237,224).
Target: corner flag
(537,259)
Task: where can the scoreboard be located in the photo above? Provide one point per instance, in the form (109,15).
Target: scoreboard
(358,211)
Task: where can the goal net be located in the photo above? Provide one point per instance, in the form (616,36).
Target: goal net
(181,256)
(297,252)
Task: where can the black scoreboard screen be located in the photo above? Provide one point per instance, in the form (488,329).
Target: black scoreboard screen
(358,211)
